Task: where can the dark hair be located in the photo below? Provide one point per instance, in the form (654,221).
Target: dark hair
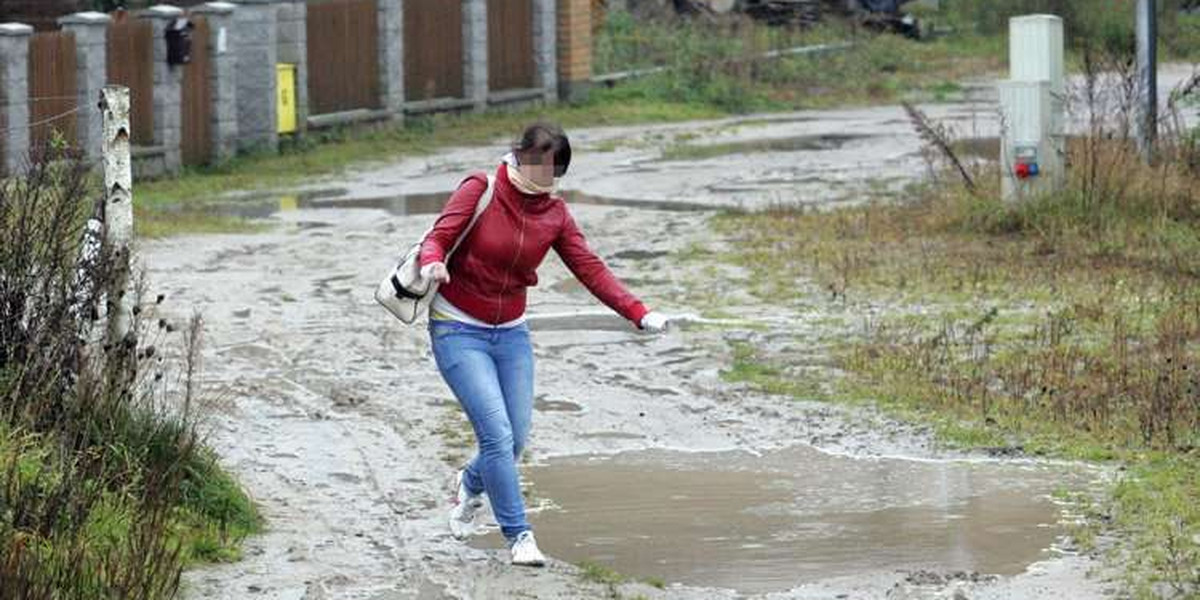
(541,138)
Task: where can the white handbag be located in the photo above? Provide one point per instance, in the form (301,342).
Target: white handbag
(403,291)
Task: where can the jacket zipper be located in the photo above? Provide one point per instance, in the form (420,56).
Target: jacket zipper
(516,257)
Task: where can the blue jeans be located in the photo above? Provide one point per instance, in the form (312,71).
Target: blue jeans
(491,373)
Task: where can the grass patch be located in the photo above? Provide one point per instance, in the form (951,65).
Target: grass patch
(156,222)
(592,572)
(1107,362)
(215,514)
(1065,325)
(718,63)
(1158,507)
(655,582)
(598,574)
(750,366)
(106,490)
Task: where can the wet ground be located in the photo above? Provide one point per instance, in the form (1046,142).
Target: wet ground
(336,420)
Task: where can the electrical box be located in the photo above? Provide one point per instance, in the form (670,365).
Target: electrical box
(1035,53)
(1026,160)
(1030,159)
(286,90)
(1035,50)
(179,41)
(1033,108)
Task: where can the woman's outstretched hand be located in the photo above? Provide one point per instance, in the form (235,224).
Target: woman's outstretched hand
(654,322)
(436,271)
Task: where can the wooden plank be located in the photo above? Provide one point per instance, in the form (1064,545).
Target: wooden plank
(52,92)
(343,58)
(130,62)
(196,99)
(433,50)
(510,44)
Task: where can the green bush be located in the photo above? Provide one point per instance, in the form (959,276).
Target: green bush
(105,488)
(721,63)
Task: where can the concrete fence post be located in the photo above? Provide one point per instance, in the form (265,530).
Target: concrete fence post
(475,52)
(91,51)
(545,47)
(292,24)
(254,42)
(391,57)
(14,96)
(222,78)
(168,88)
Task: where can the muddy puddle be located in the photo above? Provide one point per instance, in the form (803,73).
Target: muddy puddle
(410,204)
(772,522)
(811,143)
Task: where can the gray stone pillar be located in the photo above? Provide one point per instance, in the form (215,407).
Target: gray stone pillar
(91,47)
(168,88)
(475,50)
(14,96)
(222,78)
(257,52)
(391,57)
(292,47)
(545,47)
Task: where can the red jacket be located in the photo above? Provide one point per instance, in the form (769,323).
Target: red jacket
(498,259)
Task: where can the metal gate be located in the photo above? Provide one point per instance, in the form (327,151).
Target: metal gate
(130,63)
(52,99)
(343,55)
(196,99)
(510,44)
(433,49)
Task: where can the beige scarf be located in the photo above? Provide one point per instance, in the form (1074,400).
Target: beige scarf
(524,184)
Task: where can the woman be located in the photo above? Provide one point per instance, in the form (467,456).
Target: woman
(477,319)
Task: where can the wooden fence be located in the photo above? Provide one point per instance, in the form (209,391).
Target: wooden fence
(510,44)
(196,99)
(433,49)
(343,55)
(130,62)
(52,92)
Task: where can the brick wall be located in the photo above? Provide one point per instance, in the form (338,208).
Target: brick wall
(574,40)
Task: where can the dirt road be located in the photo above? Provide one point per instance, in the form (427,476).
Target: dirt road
(339,425)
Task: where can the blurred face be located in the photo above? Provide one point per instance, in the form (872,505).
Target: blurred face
(539,168)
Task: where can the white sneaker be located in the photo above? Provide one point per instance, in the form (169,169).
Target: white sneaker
(525,551)
(466,507)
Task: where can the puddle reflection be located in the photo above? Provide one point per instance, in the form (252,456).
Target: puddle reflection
(810,143)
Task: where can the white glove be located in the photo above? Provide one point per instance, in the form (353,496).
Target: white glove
(655,322)
(435,271)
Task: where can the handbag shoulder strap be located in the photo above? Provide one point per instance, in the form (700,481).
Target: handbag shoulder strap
(485,200)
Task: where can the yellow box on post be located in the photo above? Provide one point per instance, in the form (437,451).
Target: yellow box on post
(286,86)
